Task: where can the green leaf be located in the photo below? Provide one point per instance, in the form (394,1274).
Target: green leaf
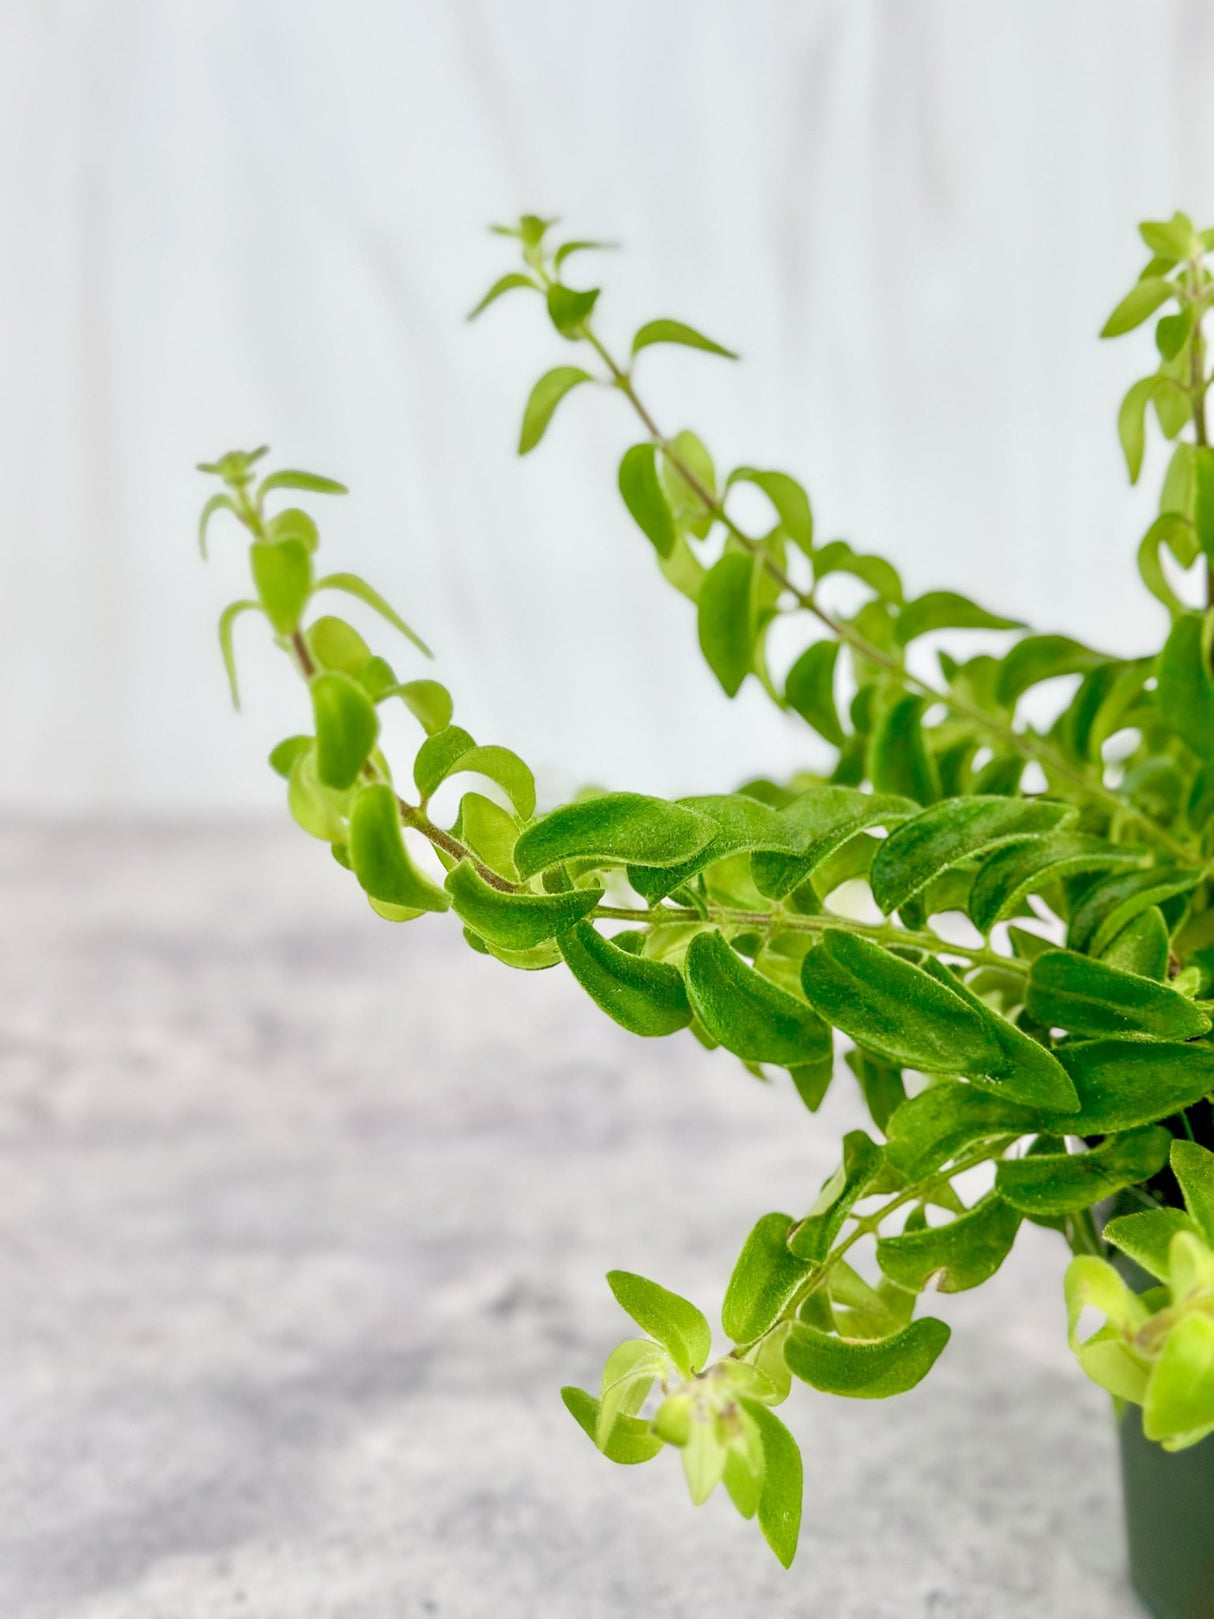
(678,1326)
(810,690)
(688,501)
(674,331)
(1074,992)
(645,497)
(1142,946)
(1113,901)
(452,752)
(294,524)
(227,622)
(1104,1356)
(545,397)
(1193,1167)
(506,283)
(881,1084)
(346,728)
(379,858)
(318,809)
(875,572)
(899,759)
(1123,1084)
(1170,239)
(427,701)
(962,1254)
(816,1233)
(282,575)
(1139,304)
(945,610)
(866,1371)
(1146,1237)
(780,1499)
(894,1008)
(939,1124)
(516,921)
(821,821)
(568,309)
(352,585)
(1042,657)
(644,996)
(623,828)
(1179,1402)
(631,1441)
(334,644)
(627,1378)
(726,619)
(283,757)
(742,825)
(1060,1183)
(312,482)
(1186,689)
(566,249)
(1008,876)
(1203,497)
(951,832)
(217,503)
(789,499)
(1150,563)
(745,1012)
(764,1280)
(1132,424)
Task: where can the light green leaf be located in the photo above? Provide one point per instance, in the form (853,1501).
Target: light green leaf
(1123,1084)
(1146,1237)
(866,1371)
(678,1326)
(568,309)
(227,622)
(1186,687)
(789,499)
(726,618)
(294,524)
(282,575)
(1139,304)
(644,996)
(821,821)
(745,1012)
(691,501)
(312,482)
(217,503)
(504,284)
(545,397)
(1150,563)
(1172,239)
(283,757)
(623,828)
(452,752)
(945,610)
(780,1500)
(516,921)
(567,249)
(319,810)
(1061,1183)
(951,832)
(489,831)
(878,574)
(631,1442)
(1193,1167)
(899,758)
(674,331)
(1179,1401)
(1131,424)
(645,497)
(354,586)
(764,1280)
(379,858)
(810,690)
(334,644)
(627,1378)
(816,1233)
(346,728)
(1084,996)
(1042,657)
(427,701)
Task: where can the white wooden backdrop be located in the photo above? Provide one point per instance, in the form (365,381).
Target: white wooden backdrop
(227,221)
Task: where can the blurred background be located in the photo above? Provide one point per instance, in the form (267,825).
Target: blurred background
(235,223)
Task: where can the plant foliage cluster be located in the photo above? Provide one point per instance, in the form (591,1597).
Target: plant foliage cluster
(1028,993)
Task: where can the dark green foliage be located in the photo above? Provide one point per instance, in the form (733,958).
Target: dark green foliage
(1123,1084)
(1061,1183)
(960,1255)
(1007,877)
(899,759)
(866,1371)
(764,1279)
(1090,997)
(745,1012)
(646,997)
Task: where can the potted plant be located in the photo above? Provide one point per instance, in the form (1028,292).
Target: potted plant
(1010,924)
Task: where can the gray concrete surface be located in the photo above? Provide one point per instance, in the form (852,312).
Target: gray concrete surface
(304,1219)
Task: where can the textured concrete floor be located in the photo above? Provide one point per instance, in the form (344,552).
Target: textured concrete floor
(304,1219)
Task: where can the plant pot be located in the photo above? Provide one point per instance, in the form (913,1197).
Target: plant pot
(1169,1514)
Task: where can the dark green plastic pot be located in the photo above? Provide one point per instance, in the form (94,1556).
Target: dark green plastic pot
(1169,1514)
